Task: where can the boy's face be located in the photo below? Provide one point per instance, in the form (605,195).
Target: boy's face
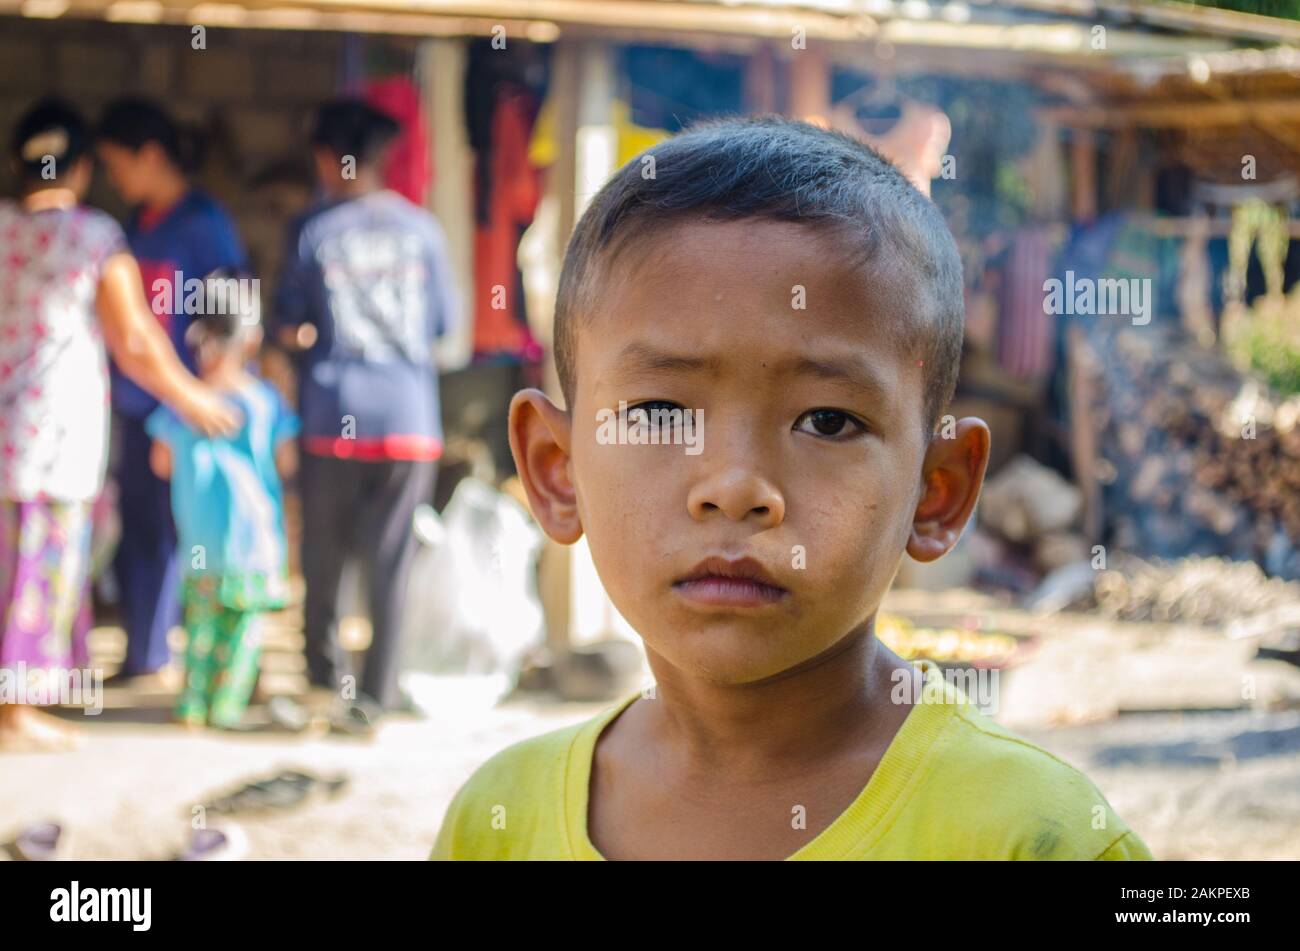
(812,458)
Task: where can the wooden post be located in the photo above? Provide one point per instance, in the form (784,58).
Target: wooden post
(760,80)
(583,78)
(810,85)
(596,141)
(1083,438)
(1083,166)
(554,581)
(563,174)
(1044,166)
(442,87)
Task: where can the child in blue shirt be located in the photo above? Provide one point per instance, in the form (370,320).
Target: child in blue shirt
(227,502)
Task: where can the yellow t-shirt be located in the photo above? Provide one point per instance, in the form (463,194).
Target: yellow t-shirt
(952,785)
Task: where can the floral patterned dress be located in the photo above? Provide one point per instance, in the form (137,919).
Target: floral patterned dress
(53,427)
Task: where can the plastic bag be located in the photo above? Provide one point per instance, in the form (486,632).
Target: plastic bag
(473,610)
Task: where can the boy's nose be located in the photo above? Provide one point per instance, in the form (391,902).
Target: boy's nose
(738,494)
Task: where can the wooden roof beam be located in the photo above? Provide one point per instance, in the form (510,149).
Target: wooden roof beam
(1175,115)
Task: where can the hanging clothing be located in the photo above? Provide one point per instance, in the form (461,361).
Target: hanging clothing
(671,88)
(1026,331)
(409,170)
(633,139)
(508,201)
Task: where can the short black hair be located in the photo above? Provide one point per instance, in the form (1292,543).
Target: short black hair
(353,127)
(133,122)
(51,129)
(775,169)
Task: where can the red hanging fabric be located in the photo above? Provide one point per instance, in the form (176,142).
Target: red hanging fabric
(410,163)
(500,324)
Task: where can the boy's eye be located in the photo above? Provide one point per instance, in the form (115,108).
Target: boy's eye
(652,412)
(829,424)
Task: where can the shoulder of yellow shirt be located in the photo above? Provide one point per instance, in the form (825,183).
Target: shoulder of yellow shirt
(513,789)
(1034,804)
(1002,795)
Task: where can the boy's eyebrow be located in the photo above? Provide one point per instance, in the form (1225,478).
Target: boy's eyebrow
(855,373)
(640,357)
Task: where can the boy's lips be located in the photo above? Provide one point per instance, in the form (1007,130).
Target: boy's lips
(725,582)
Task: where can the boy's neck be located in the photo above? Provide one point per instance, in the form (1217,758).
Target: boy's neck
(835,704)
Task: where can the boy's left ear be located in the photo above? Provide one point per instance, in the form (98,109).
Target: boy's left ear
(953,474)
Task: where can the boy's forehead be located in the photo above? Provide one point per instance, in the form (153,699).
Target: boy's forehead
(712,286)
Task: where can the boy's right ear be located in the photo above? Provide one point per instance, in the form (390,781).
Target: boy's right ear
(540,436)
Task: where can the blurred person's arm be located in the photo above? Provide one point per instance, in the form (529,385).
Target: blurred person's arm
(286,459)
(275,367)
(144,353)
(287,429)
(160,460)
(288,324)
(297,337)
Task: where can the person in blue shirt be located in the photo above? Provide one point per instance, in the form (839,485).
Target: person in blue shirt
(177,233)
(365,291)
(228,505)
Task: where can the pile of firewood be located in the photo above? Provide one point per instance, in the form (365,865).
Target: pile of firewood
(1196,590)
(1194,457)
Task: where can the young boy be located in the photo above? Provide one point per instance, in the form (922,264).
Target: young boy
(788,289)
(228,505)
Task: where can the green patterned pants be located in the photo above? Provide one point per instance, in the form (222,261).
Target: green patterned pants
(221,659)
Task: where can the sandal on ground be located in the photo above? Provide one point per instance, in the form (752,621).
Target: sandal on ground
(39,842)
(356,718)
(227,843)
(282,792)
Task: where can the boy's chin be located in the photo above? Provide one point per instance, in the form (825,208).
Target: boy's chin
(728,662)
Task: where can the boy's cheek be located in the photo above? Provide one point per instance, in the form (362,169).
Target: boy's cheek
(628,477)
(618,505)
(845,550)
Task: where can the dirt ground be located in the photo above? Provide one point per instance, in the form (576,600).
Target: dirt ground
(1153,714)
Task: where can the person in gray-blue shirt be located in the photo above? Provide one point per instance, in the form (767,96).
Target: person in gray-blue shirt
(366,288)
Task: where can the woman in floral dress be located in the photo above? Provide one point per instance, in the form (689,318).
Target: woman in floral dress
(68,288)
